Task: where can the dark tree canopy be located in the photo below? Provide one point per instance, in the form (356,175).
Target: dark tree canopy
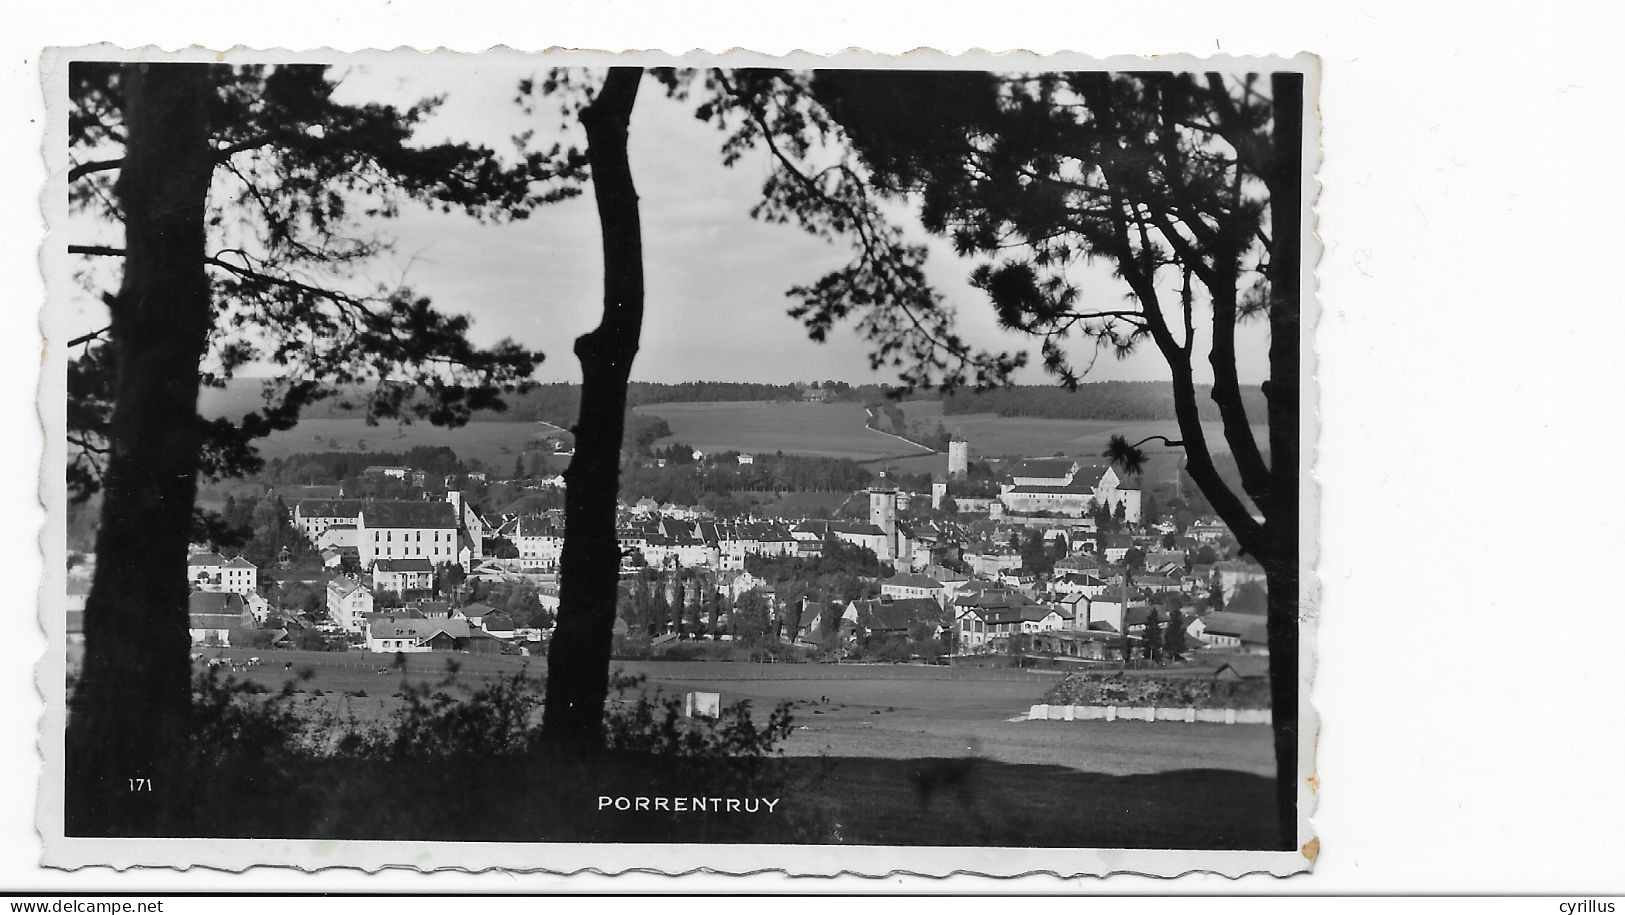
(1187,187)
(300,183)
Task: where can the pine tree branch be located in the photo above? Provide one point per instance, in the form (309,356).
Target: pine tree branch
(88,168)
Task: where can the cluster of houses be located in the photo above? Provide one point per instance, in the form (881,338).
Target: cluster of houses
(437,626)
(670,536)
(1084,610)
(400,546)
(224,599)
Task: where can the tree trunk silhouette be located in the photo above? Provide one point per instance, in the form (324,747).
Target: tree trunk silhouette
(589,565)
(1283,399)
(128,714)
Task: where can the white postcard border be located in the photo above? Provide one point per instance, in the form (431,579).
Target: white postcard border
(235,855)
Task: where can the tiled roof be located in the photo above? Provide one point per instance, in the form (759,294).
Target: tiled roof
(897,615)
(1232,624)
(1053,468)
(409,515)
(403,565)
(329,508)
(1076,488)
(213,621)
(1028,613)
(912,580)
(345,585)
(214,602)
(419,629)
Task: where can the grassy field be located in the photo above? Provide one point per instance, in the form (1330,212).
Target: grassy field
(879,754)
(495,444)
(827,430)
(992,436)
(882,711)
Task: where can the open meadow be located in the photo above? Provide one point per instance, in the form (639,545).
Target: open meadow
(494,444)
(993,436)
(835,430)
(827,430)
(878,754)
(885,711)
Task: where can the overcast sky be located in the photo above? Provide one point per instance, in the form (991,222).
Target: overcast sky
(716,279)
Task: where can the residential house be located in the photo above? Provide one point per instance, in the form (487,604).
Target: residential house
(239,576)
(203,570)
(806,625)
(348,602)
(1077,583)
(389,633)
(213,615)
(499,623)
(896,618)
(402,575)
(1245,633)
(540,543)
(982,612)
(475,613)
(914,585)
(992,628)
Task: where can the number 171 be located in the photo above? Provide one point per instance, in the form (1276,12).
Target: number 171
(140,784)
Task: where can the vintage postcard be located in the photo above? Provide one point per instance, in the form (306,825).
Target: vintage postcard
(561,461)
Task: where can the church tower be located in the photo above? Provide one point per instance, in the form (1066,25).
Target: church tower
(883,513)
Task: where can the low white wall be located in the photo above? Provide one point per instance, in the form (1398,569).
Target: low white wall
(1147,713)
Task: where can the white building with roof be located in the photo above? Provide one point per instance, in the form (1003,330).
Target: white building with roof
(914,585)
(408,530)
(214,573)
(540,544)
(348,602)
(1063,487)
(239,576)
(402,575)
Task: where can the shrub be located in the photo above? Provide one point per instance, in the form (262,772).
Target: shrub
(262,763)
(655,725)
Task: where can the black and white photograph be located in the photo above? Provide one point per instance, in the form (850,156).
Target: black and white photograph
(568,454)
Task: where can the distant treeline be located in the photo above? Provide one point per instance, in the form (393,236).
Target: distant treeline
(1109,400)
(557,403)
